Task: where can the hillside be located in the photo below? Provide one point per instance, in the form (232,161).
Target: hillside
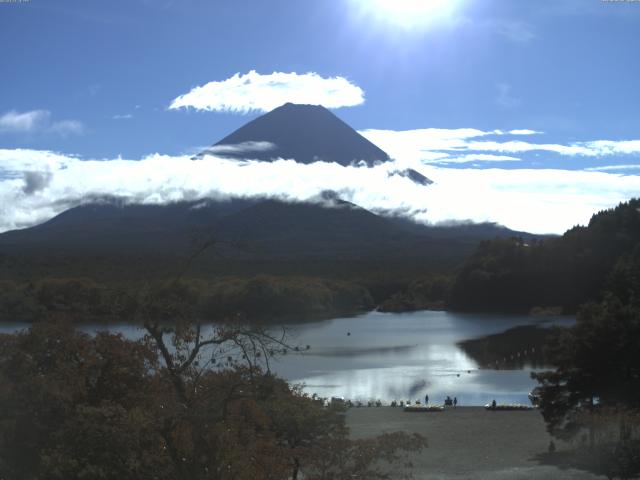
(253,237)
(517,275)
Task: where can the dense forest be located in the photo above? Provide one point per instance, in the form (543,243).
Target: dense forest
(593,392)
(558,273)
(261,298)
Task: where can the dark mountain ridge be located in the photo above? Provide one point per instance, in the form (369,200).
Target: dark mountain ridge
(254,234)
(111,225)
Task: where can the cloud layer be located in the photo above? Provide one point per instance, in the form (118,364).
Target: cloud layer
(36,185)
(262,93)
(461,145)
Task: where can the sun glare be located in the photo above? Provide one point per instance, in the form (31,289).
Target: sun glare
(409,14)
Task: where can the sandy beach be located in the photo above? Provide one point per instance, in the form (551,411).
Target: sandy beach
(471,442)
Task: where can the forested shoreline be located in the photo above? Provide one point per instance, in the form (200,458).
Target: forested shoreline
(502,275)
(514,275)
(261,298)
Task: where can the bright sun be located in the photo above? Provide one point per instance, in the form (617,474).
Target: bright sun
(409,14)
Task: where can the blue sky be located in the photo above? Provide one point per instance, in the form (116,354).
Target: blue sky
(96,79)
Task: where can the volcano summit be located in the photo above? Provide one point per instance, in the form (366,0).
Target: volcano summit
(306,133)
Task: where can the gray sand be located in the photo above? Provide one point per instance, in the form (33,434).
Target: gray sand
(469,442)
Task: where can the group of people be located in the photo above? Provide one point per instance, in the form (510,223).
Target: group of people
(448,402)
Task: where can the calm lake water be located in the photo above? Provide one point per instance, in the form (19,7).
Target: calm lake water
(390,356)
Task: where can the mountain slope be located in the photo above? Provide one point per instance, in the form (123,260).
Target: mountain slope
(254,236)
(111,226)
(306,133)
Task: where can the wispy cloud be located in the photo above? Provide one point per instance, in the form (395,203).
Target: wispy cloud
(514,31)
(66,127)
(25,122)
(607,168)
(610,147)
(433,145)
(240,148)
(505,98)
(256,92)
(476,157)
(37,122)
(94,89)
(598,148)
(425,144)
(124,116)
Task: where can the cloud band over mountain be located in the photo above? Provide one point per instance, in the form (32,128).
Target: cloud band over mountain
(243,93)
(540,201)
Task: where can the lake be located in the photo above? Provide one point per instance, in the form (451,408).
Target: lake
(391,356)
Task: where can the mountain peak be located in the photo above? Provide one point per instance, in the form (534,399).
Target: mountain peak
(300,105)
(305,133)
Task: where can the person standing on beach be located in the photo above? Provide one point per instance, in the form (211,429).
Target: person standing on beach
(426,399)
(455,402)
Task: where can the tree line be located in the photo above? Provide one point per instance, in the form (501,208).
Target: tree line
(593,392)
(512,274)
(262,298)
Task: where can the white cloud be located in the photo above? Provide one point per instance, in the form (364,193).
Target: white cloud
(25,122)
(597,148)
(423,144)
(476,157)
(609,147)
(37,121)
(540,201)
(434,145)
(66,127)
(15,161)
(524,131)
(124,116)
(240,148)
(256,92)
(606,168)
(517,146)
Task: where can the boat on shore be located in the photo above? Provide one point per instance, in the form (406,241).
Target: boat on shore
(424,408)
(507,407)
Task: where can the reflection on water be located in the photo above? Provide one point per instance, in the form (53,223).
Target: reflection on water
(517,348)
(390,356)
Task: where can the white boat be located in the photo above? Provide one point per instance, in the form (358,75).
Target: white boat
(507,407)
(423,408)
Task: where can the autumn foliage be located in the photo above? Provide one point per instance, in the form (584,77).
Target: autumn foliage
(74,406)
